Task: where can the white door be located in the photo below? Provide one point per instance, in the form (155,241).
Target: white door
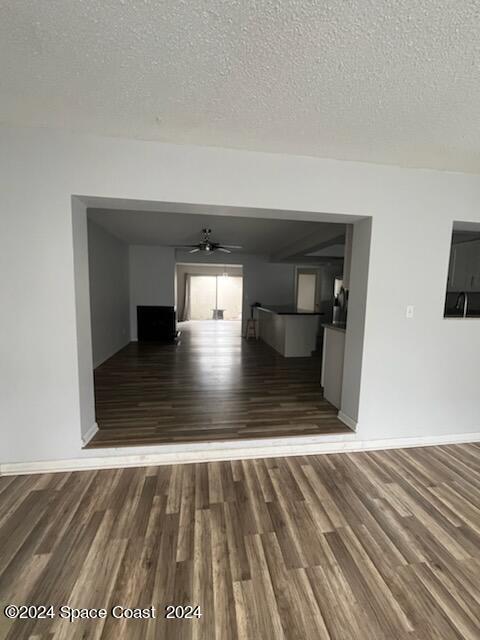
(306,291)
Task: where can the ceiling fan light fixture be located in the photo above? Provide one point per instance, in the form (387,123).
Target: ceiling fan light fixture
(208,246)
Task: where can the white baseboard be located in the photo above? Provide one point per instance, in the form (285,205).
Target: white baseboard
(266,449)
(90,433)
(350,422)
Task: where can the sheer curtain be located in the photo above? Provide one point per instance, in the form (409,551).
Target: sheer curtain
(185,315)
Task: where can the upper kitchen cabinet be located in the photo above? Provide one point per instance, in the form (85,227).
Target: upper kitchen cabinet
(464,273)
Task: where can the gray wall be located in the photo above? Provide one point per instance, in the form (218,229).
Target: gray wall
(109,293)
(419,375)
(152,279)
(83,331)
(357,303)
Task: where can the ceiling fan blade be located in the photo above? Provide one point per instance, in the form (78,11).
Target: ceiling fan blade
(194,250)
(181,246)
(232,246)
(223,250)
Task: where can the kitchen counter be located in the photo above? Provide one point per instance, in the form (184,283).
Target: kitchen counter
(290,310)
(292,334)
(339,326)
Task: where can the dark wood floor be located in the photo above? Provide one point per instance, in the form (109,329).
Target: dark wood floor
(213,385)
(368,546)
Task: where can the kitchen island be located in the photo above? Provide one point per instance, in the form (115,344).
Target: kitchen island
(290,332)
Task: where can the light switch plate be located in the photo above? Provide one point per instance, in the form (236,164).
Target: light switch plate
(410,311)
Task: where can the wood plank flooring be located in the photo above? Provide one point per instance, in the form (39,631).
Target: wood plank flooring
(365,546)
(213,385)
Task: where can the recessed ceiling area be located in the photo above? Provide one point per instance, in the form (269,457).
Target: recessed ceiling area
(395,82)
(279,239)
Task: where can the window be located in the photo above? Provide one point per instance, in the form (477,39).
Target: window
(463,285)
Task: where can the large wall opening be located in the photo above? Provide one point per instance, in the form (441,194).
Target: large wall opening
(215,297)
(208,292)
(275,248)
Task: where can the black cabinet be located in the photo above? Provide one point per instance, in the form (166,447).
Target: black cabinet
(156,324)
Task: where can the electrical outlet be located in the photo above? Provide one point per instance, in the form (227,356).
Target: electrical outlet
(410,311)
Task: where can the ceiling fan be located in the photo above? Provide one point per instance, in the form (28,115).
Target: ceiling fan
(208,245)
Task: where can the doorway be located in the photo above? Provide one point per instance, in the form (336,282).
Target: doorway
(217,297)
(269,278)
(308,290)
(209,292)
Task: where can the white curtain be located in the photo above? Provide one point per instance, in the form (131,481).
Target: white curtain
(185,313)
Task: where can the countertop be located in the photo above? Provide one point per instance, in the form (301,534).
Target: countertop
(288,310)
(340,326)
(460,316)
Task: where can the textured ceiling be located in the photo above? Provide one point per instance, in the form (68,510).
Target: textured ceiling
(255,235)
(395,81)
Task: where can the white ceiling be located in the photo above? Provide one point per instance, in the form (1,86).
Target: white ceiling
(255,235)
(395,82)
